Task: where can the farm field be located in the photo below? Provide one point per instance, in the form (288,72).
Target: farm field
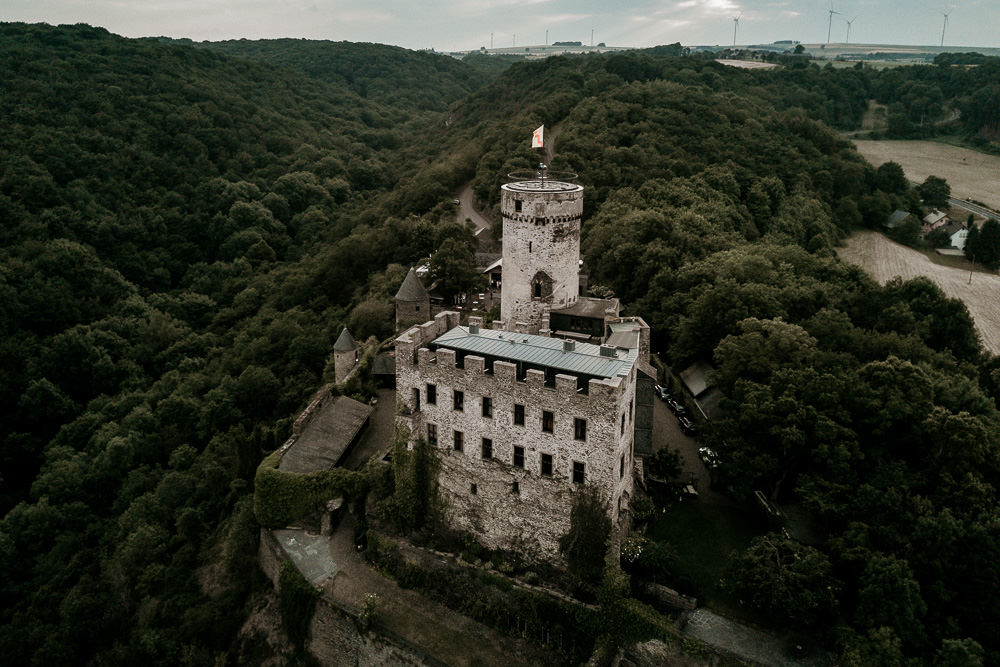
(970,173)
(884,259)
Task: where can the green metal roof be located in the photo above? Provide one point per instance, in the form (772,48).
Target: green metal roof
(585,359)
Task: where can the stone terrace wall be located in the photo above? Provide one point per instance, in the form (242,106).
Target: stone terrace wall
(334,638)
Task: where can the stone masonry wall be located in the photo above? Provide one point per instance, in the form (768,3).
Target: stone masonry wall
(542,238)
(538,514)
(334,638)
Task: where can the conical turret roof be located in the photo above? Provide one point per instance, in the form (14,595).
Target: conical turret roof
(411,289)
(345,343)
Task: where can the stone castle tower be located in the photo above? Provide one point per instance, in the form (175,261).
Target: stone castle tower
(541,248)
(345,356)
(413,302)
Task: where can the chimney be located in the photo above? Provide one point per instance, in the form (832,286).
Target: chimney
(474,329)
(569,346)
(607,351)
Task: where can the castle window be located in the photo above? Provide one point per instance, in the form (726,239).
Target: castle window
(538,290)
(458,400)
(623,423)
(416,400)
(432,434)
(547,421)
(515,488)
(547,465)
(518,415)
(578,472)
(487,406)
(432,394)
(487,449)
(621,467)
(518,456)
(517,205)
(459,441)
(580,429)
(473,489)
(529,246)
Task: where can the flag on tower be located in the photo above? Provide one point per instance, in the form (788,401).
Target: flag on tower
(536,137)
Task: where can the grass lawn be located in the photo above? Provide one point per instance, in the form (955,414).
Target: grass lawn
(703,535)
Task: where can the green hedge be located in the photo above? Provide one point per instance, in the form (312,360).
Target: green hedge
(298,602)
(282,497)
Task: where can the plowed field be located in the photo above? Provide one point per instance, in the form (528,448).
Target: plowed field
(968,172)
(884,259)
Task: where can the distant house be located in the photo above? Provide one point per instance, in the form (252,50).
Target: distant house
(935,220)
(957,234)
(897,218)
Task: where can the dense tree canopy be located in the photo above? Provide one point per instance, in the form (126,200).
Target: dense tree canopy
(188,227)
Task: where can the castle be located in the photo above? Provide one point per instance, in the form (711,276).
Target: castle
(556,395)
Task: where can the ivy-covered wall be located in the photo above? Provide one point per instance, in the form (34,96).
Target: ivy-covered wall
(282,497)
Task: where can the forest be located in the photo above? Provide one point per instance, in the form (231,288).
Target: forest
(186,227)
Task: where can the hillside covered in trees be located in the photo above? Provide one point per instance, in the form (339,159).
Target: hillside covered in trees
(185,228)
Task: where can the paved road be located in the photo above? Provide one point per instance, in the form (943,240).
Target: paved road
(974,208)
(467,210)
(667,433)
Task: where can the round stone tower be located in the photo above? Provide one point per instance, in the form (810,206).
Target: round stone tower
(541,248)
(345,356)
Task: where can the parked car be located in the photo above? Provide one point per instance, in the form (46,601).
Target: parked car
(709,457)
(686,490)
(686,425)
(676,407)
(662,393)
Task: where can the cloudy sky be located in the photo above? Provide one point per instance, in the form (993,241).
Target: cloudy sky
(448,25)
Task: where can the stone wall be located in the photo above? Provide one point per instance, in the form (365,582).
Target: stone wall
(535,515)
(334,638)
(409,313)
(541,242)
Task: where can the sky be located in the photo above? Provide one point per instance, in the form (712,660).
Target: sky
(453,25)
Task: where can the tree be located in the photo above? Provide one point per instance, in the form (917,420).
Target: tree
(586,544)
(453,267)
(935,191)
(784,580)
(986,243)
(666,463)
(890,178)
(889,596)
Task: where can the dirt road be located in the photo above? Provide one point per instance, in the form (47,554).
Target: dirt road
(884,259)
(968,172)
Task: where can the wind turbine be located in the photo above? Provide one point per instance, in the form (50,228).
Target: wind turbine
(945,26)
(736,25)
(849,28)
(829,25)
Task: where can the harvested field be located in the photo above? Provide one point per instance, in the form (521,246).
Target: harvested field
(968,172)
(885,259)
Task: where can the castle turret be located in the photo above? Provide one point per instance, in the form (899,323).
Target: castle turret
(345,356)
(413,302)
(541,248)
